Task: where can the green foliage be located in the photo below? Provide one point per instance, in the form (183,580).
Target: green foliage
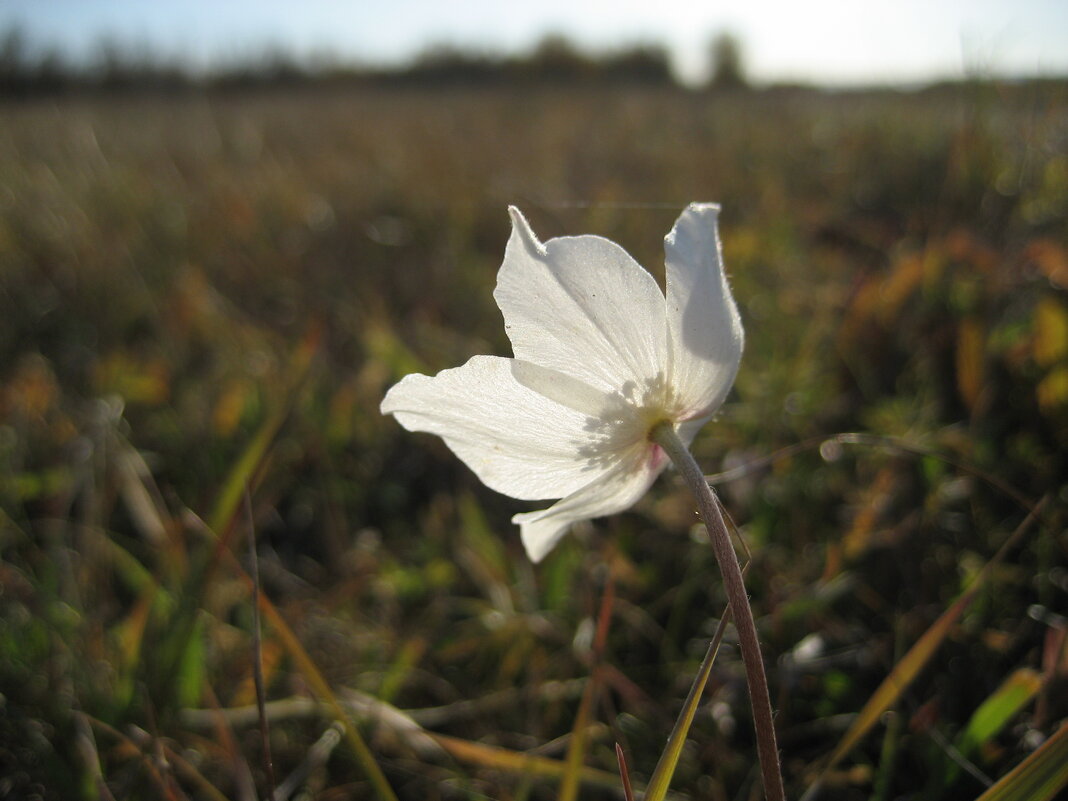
(207,294)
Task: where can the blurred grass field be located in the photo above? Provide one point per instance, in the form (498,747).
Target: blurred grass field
(204,293)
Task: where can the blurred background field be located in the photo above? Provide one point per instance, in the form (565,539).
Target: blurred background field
(209,289)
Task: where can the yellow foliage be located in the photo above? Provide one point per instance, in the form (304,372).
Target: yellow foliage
(872,504)
(230,406)
(1051,332)
(32,391)
(136,380)
(1052,391)
(971,345)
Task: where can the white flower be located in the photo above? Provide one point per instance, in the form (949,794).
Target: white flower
(601,357)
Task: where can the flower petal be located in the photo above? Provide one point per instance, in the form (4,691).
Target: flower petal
(582,306)
(517,441)
(704,329)
(687,429)
(613,491)
(562,388)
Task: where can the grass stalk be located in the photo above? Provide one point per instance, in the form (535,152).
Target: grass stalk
(763,720)
(257,651)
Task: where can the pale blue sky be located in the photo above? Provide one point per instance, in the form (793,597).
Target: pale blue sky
(831,41)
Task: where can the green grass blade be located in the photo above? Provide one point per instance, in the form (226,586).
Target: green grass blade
(909,667)
(241,475)
(1039,777)
(180,629)
(997,710)
(660,781)
(902,675)
(192,668)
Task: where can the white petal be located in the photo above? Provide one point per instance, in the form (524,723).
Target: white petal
(688,429)
(705,331)
(612,492)
(517,441)
(562,388)
(583,307)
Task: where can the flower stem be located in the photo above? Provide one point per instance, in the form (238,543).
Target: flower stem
(664,435)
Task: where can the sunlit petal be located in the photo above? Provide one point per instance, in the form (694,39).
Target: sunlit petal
(582,306)
(704,328)
(688,429)
(517,441)
(612,492)
(562,388)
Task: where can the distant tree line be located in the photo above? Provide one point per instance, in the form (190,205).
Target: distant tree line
(27,71)
(554,60)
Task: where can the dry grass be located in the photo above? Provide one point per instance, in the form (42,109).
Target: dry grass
(201,293)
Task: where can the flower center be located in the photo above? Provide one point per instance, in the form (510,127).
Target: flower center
(629,417)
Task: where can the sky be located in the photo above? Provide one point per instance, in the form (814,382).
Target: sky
(836,42)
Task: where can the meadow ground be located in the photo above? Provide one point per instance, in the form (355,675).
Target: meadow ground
(206,293)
